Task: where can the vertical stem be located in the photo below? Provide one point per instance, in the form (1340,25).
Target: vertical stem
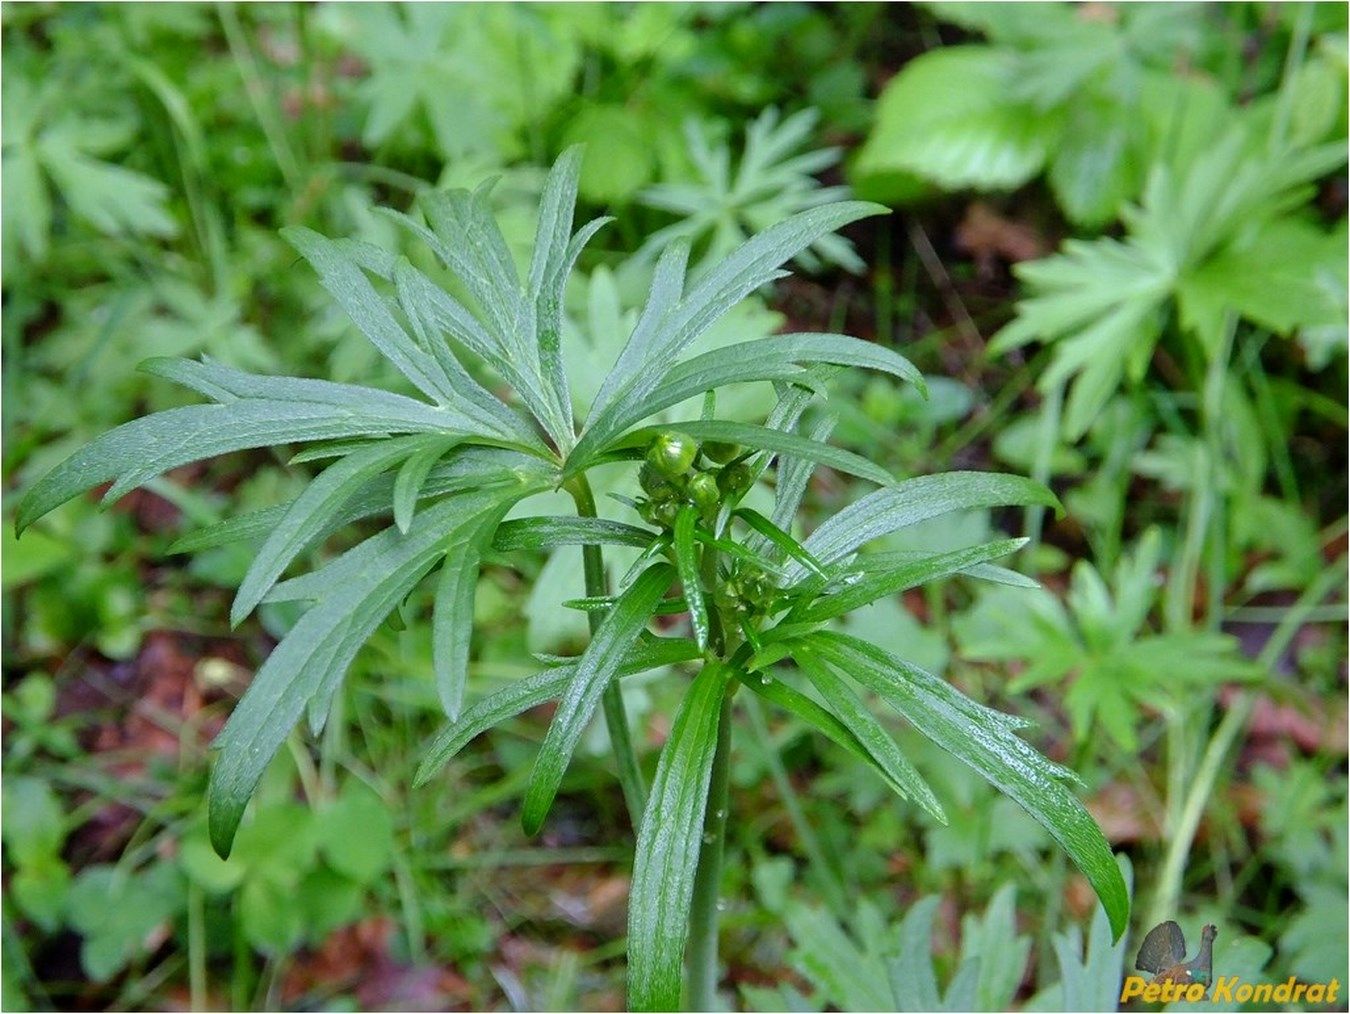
(616,718)
(197,998)
(1047,438)
(1182,835)
(701,956)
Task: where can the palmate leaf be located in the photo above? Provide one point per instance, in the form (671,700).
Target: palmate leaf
(985,740)
(375,576)
(668,845)
(595,669)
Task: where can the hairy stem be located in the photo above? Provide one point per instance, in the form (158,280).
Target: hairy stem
(616,718)
(701,955)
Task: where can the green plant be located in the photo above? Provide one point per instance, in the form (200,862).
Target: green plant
(1090,97)
(450,466)
(771,181)
(1099,639)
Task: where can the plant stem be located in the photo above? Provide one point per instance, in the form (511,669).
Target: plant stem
(616,718)
(701,956)
(831,882)
(1182,834)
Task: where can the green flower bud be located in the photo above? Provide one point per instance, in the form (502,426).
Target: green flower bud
(656,485)
(720,453)
(672,454)
(664,512)
(702,489)
(735,480)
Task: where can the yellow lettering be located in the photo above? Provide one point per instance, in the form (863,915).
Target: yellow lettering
(1299,990)
(1317,992)
(1332,987)
(1195,992)
(1152,992)
(1265,992)
(1132,987)
(1243,993)
(1223,989)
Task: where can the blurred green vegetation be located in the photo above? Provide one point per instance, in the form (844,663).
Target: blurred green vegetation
(1169,182)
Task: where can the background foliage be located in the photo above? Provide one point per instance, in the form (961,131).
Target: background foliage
(1144,204)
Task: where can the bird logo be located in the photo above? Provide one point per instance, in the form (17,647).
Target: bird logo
(1163,953)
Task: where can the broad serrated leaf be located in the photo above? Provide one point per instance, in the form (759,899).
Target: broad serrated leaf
(686,563)
(648,653)
(984,740)
(595,670)
(853,713)
(668,845)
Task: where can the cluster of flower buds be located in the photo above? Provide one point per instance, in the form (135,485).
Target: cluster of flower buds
(678,471)
(747,592)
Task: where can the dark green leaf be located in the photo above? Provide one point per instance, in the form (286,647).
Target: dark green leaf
(668,845)
(551,532)
(549,685)
(779,538)
(304,521)
(686,562)
(907,503)
(908,574)
(412,474)
(984,739)
(324,641)
(144,448)
(853,713)
(452,616)
(595,669)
